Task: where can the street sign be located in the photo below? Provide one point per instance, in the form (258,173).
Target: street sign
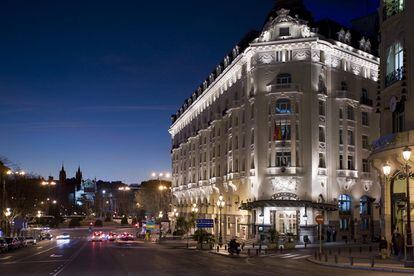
(319,219)
(205,223)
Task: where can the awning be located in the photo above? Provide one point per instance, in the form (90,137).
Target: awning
(288,203)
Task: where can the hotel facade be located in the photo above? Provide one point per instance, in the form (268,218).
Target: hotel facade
(281,130)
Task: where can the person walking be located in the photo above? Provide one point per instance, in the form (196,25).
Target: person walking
(394,243)
(383,247)
(400,246)
(328,234)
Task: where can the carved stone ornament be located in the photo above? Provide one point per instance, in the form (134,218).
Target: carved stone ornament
(285,184)
(305,31)
(265,58)
(367,184)
(316,56)
(345,184)
(302,54)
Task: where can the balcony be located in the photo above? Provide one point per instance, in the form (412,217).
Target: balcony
(345,94)
(347,173)
(366,101)
(392,8)
(393,77)
(283,87)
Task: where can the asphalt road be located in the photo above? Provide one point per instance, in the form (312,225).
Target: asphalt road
(78,256)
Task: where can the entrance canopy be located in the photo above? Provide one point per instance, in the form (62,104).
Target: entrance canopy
(288,203)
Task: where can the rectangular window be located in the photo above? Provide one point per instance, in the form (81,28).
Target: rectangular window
(341,113)
(365,142)
(284,31)
(351,163)
(365,119)
(321,134)
(351,140)
(341,137)
(283,159)
(350,113)
(322,163)
(341,162)
(365,165)
(322,108)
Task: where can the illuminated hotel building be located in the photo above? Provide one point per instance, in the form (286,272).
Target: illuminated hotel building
(282,130)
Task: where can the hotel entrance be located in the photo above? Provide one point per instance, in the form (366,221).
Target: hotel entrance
(285,221)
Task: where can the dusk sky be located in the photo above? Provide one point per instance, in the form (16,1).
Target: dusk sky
(93,83)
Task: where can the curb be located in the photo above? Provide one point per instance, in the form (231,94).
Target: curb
(384,269)
(228,255)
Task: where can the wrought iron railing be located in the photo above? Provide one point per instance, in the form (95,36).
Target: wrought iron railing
(392,8)
(393,77)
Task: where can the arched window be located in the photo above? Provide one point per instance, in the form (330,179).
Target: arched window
(284,78)
(344,204)
(283,106)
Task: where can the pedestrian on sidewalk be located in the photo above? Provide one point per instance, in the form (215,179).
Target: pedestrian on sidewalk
(394,242)
(328,234)
(400,246)
(334,234)
(383,247)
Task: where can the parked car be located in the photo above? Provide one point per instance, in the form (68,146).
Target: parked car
(23,242)
(3,245)
(13,243)
(46,236)
(31,240)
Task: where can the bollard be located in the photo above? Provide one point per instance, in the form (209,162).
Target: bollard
(260,248)
(372,261)
(218,248)
(265,251)
(336,259)
(253,245)
(281,248)
(225,247)
(306,245)
(319,256)
(351,261)
(316,255)
(211,246)
(248,252)
(326,257)
(257,252)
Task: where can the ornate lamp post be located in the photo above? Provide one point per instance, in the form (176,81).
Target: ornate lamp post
(405,174)
(220,204)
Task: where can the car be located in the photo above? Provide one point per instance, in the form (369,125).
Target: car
(3,245)
(31,240)
(112,236)
(13,243)
(97,236)
(23,242)
(126,237)
(63,236)
(45,236)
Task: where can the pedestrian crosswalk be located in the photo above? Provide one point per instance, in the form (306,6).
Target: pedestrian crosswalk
(292,256)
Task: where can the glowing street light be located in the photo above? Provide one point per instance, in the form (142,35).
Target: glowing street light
(220,204)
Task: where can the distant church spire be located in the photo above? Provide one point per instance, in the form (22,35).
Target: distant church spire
(62,174)
(78,178)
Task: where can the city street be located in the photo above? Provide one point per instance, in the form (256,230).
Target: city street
(78,256)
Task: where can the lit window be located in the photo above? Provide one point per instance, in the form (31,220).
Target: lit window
(344,203)
(283,106)
(364,205)
(394,63)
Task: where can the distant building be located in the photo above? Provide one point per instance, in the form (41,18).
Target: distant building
(66,189)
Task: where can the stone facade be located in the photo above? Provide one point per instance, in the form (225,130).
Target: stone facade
(282,130)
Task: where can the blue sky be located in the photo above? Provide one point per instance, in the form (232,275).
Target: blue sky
(93,83)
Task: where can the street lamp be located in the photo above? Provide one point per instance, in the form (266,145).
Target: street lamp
(220,204)
(406,174)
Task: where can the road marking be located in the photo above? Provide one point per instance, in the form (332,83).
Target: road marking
(58,270)
(56,256)
(6,258)
(286,256)
(301,257)
(34,262)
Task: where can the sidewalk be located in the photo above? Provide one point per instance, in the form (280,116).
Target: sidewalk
(359,260)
